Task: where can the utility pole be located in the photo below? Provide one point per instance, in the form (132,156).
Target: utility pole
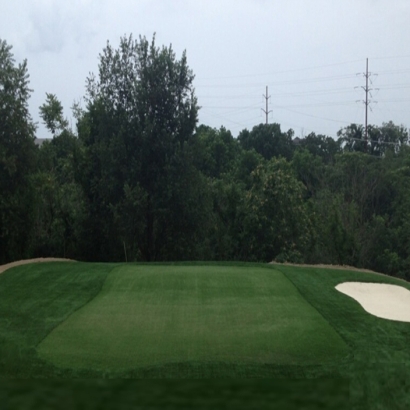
(266,111)
(367,102)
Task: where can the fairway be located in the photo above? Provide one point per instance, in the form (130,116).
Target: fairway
(155,315)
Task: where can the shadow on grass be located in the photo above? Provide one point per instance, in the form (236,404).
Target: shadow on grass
(175,394)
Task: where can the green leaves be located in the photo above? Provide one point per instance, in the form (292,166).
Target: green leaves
(141,115)
(60,204)
(380,139)
(268,140)
(17,157)
(52,114)
(276,222)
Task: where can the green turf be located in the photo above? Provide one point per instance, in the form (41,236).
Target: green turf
(175,394)
(37,300)
(153,315)
(379,369)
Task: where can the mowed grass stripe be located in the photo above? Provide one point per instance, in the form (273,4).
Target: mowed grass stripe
(153,315)
(35,298)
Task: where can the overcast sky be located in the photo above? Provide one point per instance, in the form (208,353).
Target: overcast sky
(310,53)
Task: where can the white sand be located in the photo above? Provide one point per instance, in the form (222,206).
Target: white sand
(385,301)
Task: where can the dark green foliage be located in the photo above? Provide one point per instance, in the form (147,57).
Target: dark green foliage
(140,119)
(246,163)
(215,151)
(352,138)
(60,210)
(225,235)
(276,222)
(336,229)
(17,158)
(268,140)
(380,140)
(321,146)
(138,180)
(52,114)
(309,169)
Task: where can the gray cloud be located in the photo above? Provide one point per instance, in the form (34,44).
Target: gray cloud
(308,53)
(48,29)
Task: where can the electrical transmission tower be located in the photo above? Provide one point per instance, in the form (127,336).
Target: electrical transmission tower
(366,102)
(266,111)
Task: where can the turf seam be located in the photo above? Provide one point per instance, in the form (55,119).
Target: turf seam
(320,313)
(77,309)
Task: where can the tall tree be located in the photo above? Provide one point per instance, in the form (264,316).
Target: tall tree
(141,115)
(60,200)
(17,157)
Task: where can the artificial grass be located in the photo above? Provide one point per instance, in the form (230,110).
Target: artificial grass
(156,315)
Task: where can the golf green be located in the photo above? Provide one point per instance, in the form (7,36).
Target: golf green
(153,315)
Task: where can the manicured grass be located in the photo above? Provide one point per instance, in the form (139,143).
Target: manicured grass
(37,297)
(157,315)
(379,369)
(200,321)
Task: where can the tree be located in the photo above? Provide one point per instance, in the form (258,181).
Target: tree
(52,114)
(388,137)
(215,151)
(351,138)
(60,199)
(141,116)
(276,224)
(268,140)
(17,157)
(321,146)
(309,169)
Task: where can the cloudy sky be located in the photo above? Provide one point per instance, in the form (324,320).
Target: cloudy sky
(310,53)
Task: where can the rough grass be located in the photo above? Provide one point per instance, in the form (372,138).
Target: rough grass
(36,300)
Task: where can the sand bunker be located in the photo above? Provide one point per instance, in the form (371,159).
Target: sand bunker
(385,301)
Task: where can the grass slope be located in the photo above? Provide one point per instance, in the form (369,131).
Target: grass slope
(379,368)
(38,300)
(159,315)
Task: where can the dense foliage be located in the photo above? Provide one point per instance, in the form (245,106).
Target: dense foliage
(17,158)
(139,179)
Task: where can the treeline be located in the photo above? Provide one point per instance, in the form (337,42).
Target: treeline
(139,180)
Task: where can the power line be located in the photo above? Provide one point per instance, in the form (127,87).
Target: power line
(280,71)
(277,83)
(391,57)
(288,93)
